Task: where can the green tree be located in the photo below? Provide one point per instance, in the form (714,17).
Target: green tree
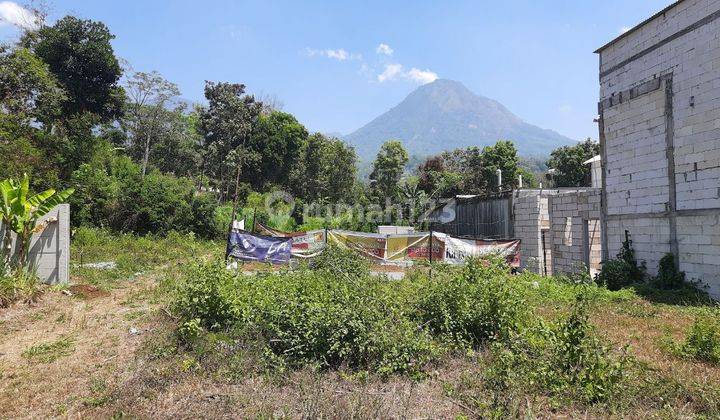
(325,170)
(568,163)
(277,138)
(468,163)
(342,170)
(226,124)
(502,156)
(388,169)
(177,149)
(529,179)
(79,54)
(147,116)
(29,98)
(29,92)
(437,180)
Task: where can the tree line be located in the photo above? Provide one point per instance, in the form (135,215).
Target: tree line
(142,159)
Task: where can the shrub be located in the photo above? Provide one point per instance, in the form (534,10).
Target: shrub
(615,274)
(669,277)
(579,276)
(702,341)
(341,262)
(202,222)
(17,284)
(305,317)
(480,304)
(564,359)
(627,254)
(111,192)
(160,203)
(205,297)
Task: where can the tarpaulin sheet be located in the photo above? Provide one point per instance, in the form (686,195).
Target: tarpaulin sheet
(369,244)
(248,247)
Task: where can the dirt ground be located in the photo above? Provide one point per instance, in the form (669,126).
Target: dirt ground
(104,370)
(87,352)
(99,331)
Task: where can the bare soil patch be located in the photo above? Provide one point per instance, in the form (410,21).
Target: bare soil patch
(87,291)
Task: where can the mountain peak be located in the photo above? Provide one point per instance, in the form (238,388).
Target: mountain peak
(444,115)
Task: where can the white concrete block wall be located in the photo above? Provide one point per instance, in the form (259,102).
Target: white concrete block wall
(699,246)
(50,250)
(531,216)
(684,44)
(526,214)
(569,211)
(635,165)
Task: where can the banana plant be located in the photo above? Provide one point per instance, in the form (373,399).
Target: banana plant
(20,212)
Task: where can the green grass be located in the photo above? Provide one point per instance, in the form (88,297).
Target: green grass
(49,352)
(18,286)
(525,342)
(494,344)
(134,255)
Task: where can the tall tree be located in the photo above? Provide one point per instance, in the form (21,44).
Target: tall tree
(277,138)
(28,91)
(177,149)
(388,169)
(325,170)
(30,97)
(226,125)
(148,95)
(79,54)
(502,156)
(568,163)
(437,179)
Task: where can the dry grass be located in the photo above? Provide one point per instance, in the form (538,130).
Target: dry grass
(102,369)
(101,342)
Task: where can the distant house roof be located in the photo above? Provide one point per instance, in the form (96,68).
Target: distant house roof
(636,27)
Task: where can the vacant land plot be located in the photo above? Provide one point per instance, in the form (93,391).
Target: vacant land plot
(164,334)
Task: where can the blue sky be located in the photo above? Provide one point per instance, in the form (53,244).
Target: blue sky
(325,62)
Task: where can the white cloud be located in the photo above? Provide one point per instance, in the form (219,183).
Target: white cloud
(340,54)
(565,109)
(395,71)
(384,49)
(422,76)
(12,13)
(392,71)
(624,29)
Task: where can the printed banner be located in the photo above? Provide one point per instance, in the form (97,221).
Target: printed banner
(457,249)
(304,244)
(369,244)
(393,248)
(309,244)
(248,247)
(413,247)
